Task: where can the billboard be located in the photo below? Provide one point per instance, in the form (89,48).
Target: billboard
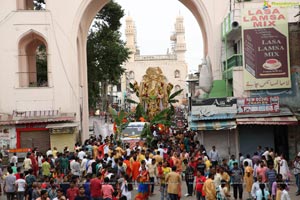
(266,49)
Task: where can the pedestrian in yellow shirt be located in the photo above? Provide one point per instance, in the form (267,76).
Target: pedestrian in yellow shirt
(209,188)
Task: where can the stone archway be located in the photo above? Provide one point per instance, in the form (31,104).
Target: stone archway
(84,17)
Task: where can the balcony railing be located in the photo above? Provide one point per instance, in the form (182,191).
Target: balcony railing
(233,61)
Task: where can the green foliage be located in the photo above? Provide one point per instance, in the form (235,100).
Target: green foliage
(41,66)
(147,134)
(106,52)
(119,120)
(39,4)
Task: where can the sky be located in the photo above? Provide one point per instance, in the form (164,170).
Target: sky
(154,21)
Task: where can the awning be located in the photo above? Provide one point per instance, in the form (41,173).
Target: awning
(62,125)
(212,125)
(291,120)
(213,117)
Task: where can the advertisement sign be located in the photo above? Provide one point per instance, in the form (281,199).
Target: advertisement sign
(214,107)
(266,50)
(258,105)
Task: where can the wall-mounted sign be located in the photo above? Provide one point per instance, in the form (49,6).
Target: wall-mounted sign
(213,107)
(258,105)
(266,50)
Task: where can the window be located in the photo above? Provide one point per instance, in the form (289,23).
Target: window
(177,74)
(33,63)
(31,4)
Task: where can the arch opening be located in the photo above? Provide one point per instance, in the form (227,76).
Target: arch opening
(33,62)
(86,13)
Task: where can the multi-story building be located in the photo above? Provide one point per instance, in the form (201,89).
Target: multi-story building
(255,104)
(172,64)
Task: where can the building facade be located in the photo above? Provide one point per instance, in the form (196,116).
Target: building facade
(28,36)
(172,64)
(267,99)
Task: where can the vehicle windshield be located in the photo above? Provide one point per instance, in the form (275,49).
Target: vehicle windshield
(133,130)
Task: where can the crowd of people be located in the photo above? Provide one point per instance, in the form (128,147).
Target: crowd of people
(103,170)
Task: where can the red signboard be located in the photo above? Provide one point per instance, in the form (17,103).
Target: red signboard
(258,105)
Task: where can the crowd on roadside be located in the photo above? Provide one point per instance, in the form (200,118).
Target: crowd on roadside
(102,170)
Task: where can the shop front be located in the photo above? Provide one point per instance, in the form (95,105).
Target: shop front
(263,122)
(214,121)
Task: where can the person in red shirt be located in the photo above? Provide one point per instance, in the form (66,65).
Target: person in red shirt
(96,188)
(73,191)
(200,179)
(17,175)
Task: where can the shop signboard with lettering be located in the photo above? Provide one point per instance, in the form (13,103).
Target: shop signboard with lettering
(258,105)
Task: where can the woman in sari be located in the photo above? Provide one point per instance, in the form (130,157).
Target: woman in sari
(143,179)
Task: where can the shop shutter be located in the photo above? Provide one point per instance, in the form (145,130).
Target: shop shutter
(39,139)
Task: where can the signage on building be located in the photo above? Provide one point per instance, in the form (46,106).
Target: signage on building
(258,105)
(5,136)
(214,107)
(266,51)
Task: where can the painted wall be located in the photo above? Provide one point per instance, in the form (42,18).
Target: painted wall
(64,25)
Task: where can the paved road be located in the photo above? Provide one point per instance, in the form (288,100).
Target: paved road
(156,195)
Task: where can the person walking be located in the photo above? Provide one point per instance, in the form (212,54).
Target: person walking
(263,193)
(214,156)
(173,179)
(165,170)
(237,181)
(20,187)
(248,177)
(296,172)
(200,180)
(9,184)
(96,187)
(14,159)
(209,188)
(107,190)
(143,180)
(153,171)
(189,178)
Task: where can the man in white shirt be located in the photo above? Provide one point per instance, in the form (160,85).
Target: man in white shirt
(255,187)
(266,153)
(81,154)
(248,159)
(49,152)
(14,159)
(214,156)
(20,185)
(162,151)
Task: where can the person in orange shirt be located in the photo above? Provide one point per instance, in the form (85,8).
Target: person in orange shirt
(101,150)
(135,168)
(95,151)
(209,188)
(128,168)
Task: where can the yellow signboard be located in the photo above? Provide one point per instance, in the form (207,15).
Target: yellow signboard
(266,49)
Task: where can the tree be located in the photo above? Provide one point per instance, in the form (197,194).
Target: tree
(39,4)
(106,53)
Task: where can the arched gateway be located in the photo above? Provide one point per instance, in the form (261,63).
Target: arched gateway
(64,26)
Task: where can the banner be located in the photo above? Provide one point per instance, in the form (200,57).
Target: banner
(266,49)
(258,105)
